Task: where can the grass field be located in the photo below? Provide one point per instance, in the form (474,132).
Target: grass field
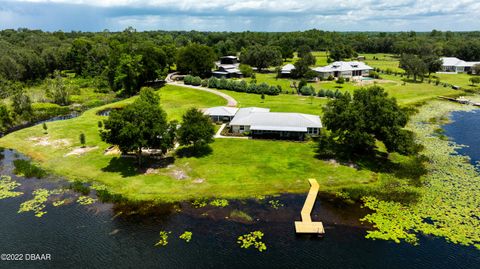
(408,93)
(383,61)
(462,80)
(235,169)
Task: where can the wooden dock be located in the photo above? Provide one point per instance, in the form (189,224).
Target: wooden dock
(307,225)
(461,100)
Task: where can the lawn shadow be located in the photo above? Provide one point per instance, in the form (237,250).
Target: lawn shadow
(191,151)
(128,166)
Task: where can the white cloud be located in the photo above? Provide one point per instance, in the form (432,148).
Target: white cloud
(270,15)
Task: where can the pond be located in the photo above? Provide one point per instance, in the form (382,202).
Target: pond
(105,235)
(464,129)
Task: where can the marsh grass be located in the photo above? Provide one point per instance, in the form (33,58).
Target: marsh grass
(27,169)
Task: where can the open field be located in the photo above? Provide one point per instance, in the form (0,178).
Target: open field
(383,61)
(238,171)
(409,93)
(462,80)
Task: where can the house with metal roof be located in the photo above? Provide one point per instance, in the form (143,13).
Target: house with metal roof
(221,113)
(455,65)
(260,122)
(227,67)
(343,69)
(286,70)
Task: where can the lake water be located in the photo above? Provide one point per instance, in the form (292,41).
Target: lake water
(97,236)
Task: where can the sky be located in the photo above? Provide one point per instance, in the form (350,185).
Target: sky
(237,15)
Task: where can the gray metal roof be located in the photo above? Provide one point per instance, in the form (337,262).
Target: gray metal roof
(343,67)
(454,61)
(221,111)
(275,121)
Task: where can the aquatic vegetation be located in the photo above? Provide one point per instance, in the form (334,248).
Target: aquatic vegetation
(240,215)
(187,236)
(80,187)
(449,204)
(252,239)
(59,202)
(219,203)
(85,200)
(163,239)
(7,186)
(275,204)
(37,204)
(28,169)
(199,203)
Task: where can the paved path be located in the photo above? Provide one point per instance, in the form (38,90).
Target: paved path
(231,101)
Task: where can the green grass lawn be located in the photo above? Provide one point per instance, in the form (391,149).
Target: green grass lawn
(462,80)
(410,93)
(383,61)
(236,168)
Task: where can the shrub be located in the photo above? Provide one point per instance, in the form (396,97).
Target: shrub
(307,90)
(340,80)
(302,83)
(321,93)
(222,84)
(196,81)
(204,83)
(213,82)
(329,93)
(188,79)
(374,74)
(330,78)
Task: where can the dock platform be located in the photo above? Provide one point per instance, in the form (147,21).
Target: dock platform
(307,225)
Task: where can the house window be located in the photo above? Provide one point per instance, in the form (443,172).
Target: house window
(242,128)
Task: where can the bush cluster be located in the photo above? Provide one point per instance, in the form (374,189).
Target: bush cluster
(329,93)
(243,86)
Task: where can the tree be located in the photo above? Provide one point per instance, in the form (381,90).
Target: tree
(309,58)
(476,69)
(195,59)
(128,73)
(475,80)
(261,56)
(5,118)
(433,63)
(82,139)
(142,124)
(197,129)
(22,105)
(355,123)
(340,52)
(57,90)
(303,50)
(262,97)
(413,65)
(301,68)
(45,128)
(246,70)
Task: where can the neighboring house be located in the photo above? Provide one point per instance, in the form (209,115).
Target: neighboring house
(227,67)
(343,69)
(455,65)
(286,70)
(221,113)
(260,122)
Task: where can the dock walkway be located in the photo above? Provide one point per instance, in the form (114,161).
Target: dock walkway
(306,225)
